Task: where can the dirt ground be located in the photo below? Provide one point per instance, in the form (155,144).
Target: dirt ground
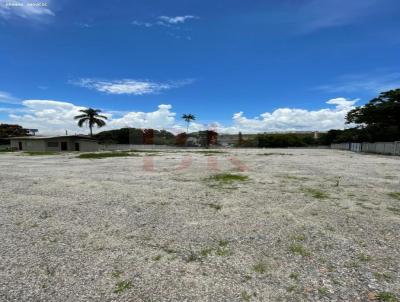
(306,225)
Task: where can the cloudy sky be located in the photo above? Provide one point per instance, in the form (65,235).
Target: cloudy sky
(249,66)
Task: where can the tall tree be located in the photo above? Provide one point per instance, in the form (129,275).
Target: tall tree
(382,111)
(378,120)
(188,117)
(91,117)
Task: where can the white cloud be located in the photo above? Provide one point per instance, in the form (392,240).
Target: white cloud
(48,116)
(129,86)
(165,21)
(176,20)
(373,82)
(342,103)
(7,98)
(140,23)
(292,119)
(84,25)
(162,118)
(25,9)
(54,117)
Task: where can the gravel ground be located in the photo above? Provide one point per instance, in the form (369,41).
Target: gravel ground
(307,225)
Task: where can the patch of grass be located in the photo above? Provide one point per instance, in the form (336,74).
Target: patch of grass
(318,194)
(34,153)
(383,276)
(331,267)
(139,151)
(106,155)
(298,249)
(6,150)
(275,153)
(352,264)
(247,277)
(245,296)
(121,286)
(395,195)
(299,237)
(157,258)
(169,250)
(215,206)
(294,275)
(209,152)
(116,274)
(387,297)
(205,252)
(199,255)
(228,177)
(363,257)
(223,243)
(260,267)
(323,291)
(222,251)
(192,257)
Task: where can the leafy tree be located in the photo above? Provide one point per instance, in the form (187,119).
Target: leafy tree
(207,138)
(7,130)
(148,136)
(378,120)
(284,140)
(188,118)
(91,117)
(181,139)
(136,136)
(382,111)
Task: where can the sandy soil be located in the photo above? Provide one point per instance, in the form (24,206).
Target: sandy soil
(307,225)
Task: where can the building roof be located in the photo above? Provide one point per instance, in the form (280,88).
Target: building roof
(52,137)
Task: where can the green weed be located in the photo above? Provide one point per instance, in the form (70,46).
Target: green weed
(121,286)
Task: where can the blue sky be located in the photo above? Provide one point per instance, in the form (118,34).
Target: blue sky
(248,66)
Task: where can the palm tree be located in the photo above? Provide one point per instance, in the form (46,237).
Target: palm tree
(91,117)
(188,118)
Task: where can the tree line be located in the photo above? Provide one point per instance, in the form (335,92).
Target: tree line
(378,120)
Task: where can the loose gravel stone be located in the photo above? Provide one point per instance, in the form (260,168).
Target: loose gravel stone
(319,225)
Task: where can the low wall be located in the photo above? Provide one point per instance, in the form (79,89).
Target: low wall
(389,148)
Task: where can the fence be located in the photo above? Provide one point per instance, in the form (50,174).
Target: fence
(389,148)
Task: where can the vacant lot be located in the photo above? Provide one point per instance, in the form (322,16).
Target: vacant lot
(243,225)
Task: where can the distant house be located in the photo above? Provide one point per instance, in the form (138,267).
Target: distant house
(54,143)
